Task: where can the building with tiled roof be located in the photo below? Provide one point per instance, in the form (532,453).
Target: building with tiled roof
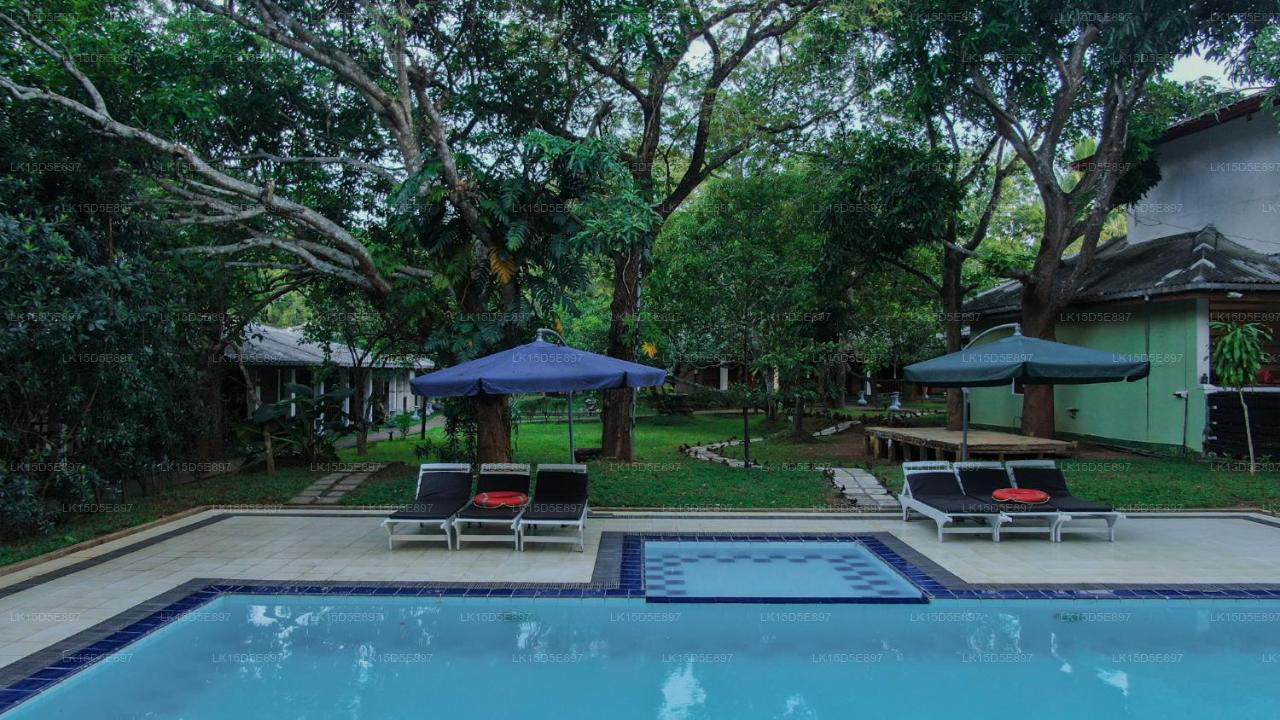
(1203,246)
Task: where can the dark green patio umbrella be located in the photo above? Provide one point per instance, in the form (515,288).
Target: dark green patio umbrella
(1030,361)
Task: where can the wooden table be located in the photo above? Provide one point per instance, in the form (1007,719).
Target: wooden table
(940,444)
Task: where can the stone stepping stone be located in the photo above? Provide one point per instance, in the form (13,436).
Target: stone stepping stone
(333,487)
(863,489)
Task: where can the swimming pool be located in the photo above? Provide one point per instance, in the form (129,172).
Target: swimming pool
(301,656)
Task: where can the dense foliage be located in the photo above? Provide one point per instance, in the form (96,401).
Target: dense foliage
(96,374)
(803,189)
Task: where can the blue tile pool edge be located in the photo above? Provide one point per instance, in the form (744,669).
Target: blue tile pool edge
(940,585)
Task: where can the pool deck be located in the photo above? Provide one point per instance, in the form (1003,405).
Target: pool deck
(49,603)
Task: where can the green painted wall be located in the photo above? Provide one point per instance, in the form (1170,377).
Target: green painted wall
(1145,411)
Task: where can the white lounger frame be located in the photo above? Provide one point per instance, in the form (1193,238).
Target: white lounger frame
(1052,519)
(390,524)
(512,524)
(947,522)
(579,525)
(1111,517)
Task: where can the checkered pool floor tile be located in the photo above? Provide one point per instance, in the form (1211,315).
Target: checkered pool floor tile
(769,569)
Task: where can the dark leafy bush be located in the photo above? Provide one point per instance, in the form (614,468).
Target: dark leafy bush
(96,370)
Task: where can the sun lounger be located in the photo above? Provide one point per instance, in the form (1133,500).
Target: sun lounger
(442,490)
(494,477)
(932,489)
(1045,475)
(559,500)
(981,479)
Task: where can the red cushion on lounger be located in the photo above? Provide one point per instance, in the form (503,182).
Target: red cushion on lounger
(1020,495)
(501,499)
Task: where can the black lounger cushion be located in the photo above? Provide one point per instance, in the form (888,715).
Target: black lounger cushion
(475,512)
(558,495)
(563,486)
(1053,482)
(431,509)
(440,494)
(443,484)
(959,504)
(933,483)
(980,483)
(499,481)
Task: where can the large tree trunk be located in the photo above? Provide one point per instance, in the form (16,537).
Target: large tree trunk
(358,377)
(836,402)
(253,399)
(616,415)
(209,444)
(493,429)
(797,419)
(1038,321)
(952,327)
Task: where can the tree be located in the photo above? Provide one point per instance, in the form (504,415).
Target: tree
(96,372)
(383,144)
(735,281)
(918,199)
(1237,357)
(971,155)
(892,326)
(112,359)
(682,114)
(343,316)
(1048,73)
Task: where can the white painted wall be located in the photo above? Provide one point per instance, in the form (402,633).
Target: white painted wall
(399,394)
(1227,176)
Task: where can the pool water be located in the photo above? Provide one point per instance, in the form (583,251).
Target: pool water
(308,657)
(770,569)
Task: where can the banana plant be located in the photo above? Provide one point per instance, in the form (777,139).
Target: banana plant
(1237,359)
(308,424)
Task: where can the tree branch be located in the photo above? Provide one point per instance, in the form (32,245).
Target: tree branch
(265,196)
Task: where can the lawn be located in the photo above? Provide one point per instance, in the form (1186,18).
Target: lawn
(256,489)
(663,478)
(833,450)
(931,405)
(1144,483)
(660,477)
(841,450)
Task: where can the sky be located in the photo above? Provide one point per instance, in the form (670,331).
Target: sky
(1195,67)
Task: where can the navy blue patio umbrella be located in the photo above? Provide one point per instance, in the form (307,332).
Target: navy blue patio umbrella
(1030,361)
(539,366)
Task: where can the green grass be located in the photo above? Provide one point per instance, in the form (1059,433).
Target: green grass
(237,489)
(779,449)
(773,451)
(660,476)
(1142,483)
(853,409)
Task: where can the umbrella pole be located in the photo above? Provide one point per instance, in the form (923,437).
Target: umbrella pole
(964,414)
(572,455)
